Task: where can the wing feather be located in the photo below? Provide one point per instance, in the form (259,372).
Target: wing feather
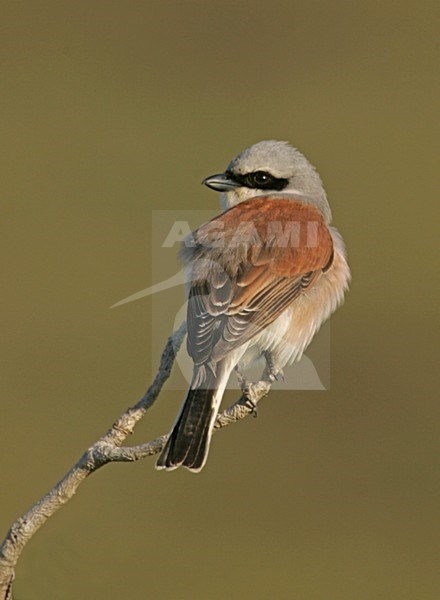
(239,291)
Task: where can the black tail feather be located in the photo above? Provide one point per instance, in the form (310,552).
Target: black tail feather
(188,442)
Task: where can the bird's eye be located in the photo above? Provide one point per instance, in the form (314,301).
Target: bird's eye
(260,179)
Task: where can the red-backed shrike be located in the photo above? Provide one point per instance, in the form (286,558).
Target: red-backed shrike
(265,274)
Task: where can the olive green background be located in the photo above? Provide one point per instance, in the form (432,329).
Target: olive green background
(110,110)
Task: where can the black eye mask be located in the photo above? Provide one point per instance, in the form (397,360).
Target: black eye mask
(258,180)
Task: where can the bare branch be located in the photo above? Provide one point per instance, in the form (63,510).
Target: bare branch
(109,449)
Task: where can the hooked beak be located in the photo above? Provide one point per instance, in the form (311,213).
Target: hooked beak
(220,183)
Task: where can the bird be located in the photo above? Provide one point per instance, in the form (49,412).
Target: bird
(264,275)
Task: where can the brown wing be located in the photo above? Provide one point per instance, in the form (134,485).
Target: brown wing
(249,265)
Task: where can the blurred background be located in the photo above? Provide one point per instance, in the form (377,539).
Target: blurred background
(111,110)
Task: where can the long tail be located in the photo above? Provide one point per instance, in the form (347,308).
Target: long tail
(188,443)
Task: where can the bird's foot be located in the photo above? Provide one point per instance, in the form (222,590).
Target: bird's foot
(271,372)
(249,394)
(248,391)
(241,378)
(253,393)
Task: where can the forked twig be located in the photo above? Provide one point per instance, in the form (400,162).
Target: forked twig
(109,449)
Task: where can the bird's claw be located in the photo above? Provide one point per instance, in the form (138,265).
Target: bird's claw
(279,375)
(249,402)
(272,373)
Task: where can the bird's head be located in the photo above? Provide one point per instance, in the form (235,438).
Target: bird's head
(270,168)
